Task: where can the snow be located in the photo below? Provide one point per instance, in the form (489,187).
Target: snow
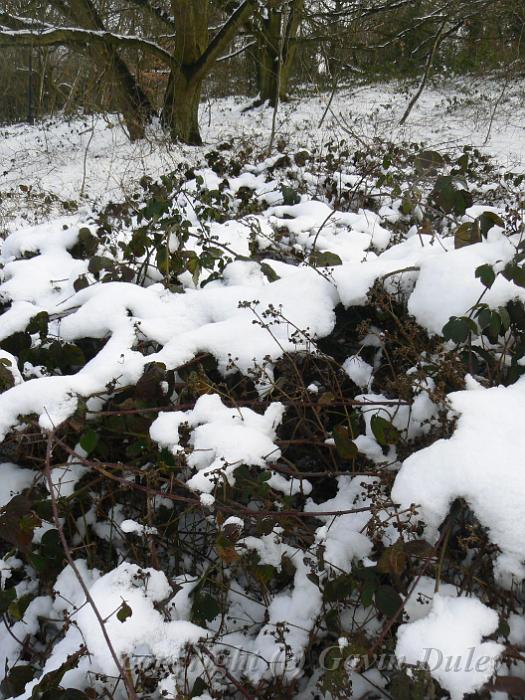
(143,632)
(133,527)
(359,371)
(342,537)
(483,463)
(49,159)
(449,640)
(14,480)
(222,439)
(248,322)
(419,603)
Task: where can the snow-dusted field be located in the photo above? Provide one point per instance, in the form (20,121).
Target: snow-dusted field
(90,159)
(82,165)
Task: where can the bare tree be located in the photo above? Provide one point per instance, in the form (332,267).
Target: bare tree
(186,51)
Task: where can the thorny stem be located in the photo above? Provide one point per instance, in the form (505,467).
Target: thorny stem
(228,675)
(238,509)
(126,676)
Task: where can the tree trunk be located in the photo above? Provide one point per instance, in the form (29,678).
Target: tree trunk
(180,112)
(270,60)
(128,96)
(277,48)
(193,59)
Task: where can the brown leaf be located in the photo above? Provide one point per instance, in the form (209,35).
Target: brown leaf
(509,684)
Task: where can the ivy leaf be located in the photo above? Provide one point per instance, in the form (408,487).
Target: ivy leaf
(344,444)
(89,441)
(124,612)
(486,275)
(387,600)
(384,432)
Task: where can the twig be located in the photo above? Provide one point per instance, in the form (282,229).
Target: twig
(428,67)
(130,690)
(228,675)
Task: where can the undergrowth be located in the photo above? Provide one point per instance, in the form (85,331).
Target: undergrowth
(256,538)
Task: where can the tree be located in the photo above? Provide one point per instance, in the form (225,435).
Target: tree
(276,31)
(187,52)
(192,61)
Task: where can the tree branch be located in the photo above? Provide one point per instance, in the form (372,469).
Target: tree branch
(223,37)
(73,36)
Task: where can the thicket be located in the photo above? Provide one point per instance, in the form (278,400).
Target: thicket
(213,551)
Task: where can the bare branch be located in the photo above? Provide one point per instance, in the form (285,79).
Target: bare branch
(66,36)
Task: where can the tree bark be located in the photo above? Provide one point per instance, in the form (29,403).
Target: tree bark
(180,113)
(194,57)
(277,48)
(191,61)
(128,97)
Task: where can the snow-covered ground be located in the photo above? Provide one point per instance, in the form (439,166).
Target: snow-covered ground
(90,159)
(88,162)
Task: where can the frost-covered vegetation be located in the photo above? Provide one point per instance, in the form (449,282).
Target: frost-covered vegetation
(261,417)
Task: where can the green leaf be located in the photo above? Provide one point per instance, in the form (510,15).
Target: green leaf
(18,607)
(339,588)
(484,317)
(16,343)
(325,259)
(6,598)
(88,241)
(63,694)
(16,680)
(124,612)
(81,282)
(458,329)
(198,688)
(99,263)
(7,380)
(344,444)
(467,234)
(264,572)
(39,324)
(486,275)
(205,607)
(494,326)
(387,600)
(488,220)
(89,441)
(515,273)
(384,432)
(269,272)
(505,318)
(290,196)
(428,162)
(449,197)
